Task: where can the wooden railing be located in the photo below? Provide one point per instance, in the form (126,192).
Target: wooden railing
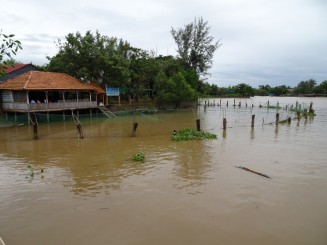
(58,106)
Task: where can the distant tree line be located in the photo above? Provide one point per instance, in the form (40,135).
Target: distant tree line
(306,88)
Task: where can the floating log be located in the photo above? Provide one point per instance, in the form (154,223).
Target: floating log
(255,172)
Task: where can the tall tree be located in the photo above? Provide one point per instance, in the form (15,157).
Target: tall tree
(243,89)
(305,87)
(195,46)
(321,88)
(8,46)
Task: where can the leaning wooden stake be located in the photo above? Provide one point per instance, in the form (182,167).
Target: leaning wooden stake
(247,169)
(35,124)
(311,110)
(134,129)
(78,126)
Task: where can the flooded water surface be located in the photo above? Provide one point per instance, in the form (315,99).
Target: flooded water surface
(63,190)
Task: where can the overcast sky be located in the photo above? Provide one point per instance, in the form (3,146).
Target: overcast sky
(273,42)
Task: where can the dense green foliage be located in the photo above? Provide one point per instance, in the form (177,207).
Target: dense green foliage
(115,63)
(8,47)
(321,88)
(305,87)
(191,134)
(94,58)
(174,90)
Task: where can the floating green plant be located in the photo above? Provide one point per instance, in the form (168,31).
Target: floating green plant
(191,134)
(31,171)
(139,157)
(273,107)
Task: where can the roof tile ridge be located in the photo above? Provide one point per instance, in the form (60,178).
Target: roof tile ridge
(28,79)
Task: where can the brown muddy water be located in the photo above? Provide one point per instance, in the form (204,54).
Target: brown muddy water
(91,192)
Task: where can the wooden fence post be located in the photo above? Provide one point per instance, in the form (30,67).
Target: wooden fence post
(277,118)
(198,125)
(252,121)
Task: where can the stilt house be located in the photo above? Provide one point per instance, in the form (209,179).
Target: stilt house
(38,91)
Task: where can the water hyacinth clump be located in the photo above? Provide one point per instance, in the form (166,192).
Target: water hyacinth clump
(191,134)
(139,157)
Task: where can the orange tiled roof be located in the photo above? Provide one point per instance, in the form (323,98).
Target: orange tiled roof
(39,80)
(97,88)
(9,69)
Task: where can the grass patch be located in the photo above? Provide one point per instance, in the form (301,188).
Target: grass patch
(191,134)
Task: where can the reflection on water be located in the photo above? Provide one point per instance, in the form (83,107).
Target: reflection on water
(91,192)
